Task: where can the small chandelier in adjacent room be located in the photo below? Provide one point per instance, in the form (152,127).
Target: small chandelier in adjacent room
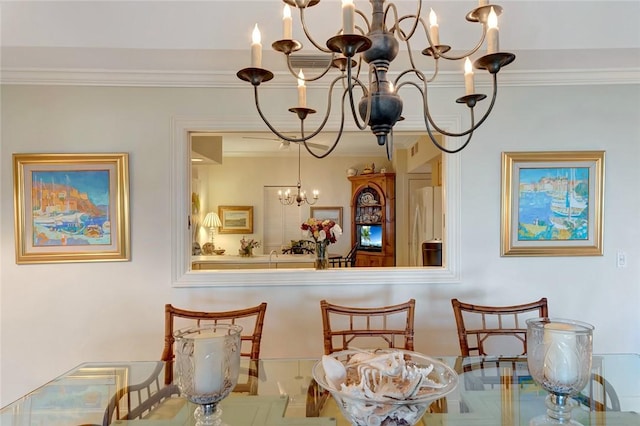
(300,197)
(377,44)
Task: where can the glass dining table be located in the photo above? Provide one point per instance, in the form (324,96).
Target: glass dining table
(491,391)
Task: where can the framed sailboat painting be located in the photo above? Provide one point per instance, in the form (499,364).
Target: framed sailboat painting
(71,207)
(552,203)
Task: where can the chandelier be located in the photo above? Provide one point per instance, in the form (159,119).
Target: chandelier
(301,196)
(377,44)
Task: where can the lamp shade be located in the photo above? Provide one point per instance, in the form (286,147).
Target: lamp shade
(212,220)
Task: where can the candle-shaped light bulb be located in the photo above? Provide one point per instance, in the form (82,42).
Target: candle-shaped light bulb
(492,32)
(348,13)
(434,32)
(287,23)
(256,48)
(315,194)
(302,91)
(468,77)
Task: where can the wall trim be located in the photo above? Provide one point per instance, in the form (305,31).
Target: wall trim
(227,79)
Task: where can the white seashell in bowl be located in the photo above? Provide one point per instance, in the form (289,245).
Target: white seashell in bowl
(334,371)
(385,386)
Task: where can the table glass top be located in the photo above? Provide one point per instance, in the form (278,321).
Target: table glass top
(491,391)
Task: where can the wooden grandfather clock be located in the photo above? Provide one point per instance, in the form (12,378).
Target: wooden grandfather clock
(373,218)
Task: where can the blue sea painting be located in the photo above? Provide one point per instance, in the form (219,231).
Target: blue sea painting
(553,204)
(70,208)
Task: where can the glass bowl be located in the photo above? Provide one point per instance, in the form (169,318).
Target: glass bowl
(396,402)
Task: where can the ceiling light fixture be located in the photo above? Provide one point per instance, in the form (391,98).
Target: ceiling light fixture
(301,196)
(378,45)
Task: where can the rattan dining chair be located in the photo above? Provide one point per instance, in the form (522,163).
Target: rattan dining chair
(362,327)
(252,321)
(480,326)
(477,325)
(492,330)
(345,326)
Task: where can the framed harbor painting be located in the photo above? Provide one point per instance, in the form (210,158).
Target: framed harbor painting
(71,207)
(236,219)
(552,203)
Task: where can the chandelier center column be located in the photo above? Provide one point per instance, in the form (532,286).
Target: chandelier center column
(386,105)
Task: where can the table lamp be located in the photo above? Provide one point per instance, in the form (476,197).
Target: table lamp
(212,221)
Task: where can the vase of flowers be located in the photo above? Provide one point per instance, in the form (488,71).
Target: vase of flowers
(247,246)
(323,232)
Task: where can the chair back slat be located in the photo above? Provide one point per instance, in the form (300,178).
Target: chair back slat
(478,325)
(342,325)
(252,321)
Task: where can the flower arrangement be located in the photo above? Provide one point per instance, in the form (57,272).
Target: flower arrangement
(326,230)
(323,232)
(247,246)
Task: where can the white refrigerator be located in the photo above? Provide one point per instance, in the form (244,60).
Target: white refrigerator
(425,220)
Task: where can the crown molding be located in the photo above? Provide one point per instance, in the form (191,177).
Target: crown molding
(228,79)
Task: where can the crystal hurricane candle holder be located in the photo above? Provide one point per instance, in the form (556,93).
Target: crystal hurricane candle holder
(559,359)
(207,367)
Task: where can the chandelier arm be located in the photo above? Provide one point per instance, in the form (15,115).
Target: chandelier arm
(366,21)
(335,143)
(350,81)
(427,116)
(428,119)
(470,52)
(494,95)
(303,138)
(266,121)
(340,131)
(306,33)
(442,148)
(367,117)
(411,61)
(397,20)
(473,126)
(440,53)
(413,64)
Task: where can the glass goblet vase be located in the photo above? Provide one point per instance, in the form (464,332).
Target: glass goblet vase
(207,367)
(559,359)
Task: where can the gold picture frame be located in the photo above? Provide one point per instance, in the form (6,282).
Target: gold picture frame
(552,203)
(236,219)
(71,207)
(332,213)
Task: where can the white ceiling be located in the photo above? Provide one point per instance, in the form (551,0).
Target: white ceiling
(204,43)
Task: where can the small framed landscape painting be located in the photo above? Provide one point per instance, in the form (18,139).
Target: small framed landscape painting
(331,213)
(236,219)
(552,203)
(71,207)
